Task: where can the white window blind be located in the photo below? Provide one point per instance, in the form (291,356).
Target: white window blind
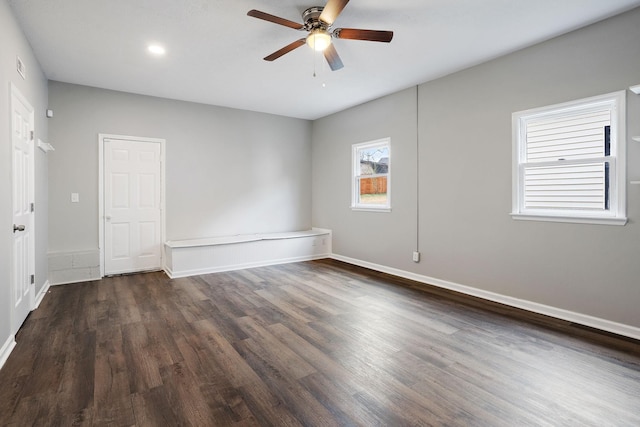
(567,160)
(580,186)
(552,140)
(577,136)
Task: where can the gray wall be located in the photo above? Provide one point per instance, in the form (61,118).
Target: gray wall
(227,171)
(34,88)
(465,232)
(378,237)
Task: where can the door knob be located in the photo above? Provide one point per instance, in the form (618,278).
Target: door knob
(108,217)
(18,228)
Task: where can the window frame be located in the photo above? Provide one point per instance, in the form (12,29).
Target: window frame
(616,213)
(356,176)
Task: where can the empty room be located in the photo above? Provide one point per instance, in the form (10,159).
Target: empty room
(330,213)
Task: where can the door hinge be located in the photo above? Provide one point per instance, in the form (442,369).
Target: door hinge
(33,207)
(33,279)
(32,135)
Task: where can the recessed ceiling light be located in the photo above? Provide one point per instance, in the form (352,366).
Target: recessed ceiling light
(156,49)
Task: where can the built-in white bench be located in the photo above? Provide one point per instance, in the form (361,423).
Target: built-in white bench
(201,256)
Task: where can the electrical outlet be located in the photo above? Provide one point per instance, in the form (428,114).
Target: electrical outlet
(416,256)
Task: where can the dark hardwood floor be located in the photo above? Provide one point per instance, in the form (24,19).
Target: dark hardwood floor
(316,344)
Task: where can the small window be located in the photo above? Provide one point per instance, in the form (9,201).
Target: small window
(371,185)
(569,162)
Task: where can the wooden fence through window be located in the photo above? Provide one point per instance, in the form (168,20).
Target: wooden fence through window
(377,185)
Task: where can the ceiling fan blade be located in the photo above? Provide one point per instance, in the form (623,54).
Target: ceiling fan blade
(331,10)
(288,48)
(370,35)
(331,55)
(275,19)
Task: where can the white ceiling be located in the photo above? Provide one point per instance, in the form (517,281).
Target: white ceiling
(214,50)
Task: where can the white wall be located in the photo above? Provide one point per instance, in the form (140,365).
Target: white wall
(466,234)
(13,43)
(228,171)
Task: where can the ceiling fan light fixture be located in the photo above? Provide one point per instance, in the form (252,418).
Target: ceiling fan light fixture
(319,40)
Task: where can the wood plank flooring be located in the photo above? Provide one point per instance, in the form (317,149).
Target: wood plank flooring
(314,344)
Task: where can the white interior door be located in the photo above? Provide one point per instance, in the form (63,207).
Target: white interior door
(132,209)
(23,263)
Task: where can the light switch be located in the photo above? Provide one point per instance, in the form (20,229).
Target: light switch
(75,197)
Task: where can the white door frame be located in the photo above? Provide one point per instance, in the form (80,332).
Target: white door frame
(31,262)
(162,142)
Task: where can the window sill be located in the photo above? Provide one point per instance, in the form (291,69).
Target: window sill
(364,209)
(570,219)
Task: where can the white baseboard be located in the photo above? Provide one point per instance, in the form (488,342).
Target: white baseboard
(41,294)
(6,350)
(71,282)
(558,313)
(9,345)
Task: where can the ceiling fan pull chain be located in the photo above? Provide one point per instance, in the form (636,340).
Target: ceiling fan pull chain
(315,55)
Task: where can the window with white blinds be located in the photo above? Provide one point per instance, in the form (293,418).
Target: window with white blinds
(569,161)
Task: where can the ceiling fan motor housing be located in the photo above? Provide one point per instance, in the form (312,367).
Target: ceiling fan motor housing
(311,19)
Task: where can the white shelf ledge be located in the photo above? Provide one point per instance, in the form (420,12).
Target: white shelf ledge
(45,146)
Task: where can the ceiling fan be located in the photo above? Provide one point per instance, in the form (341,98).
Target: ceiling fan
(318,22)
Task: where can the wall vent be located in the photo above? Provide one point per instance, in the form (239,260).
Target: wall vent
(22,70)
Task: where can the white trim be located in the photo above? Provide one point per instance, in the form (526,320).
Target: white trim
(355,166)
(616,102)
(41,294)
(163,231)
(558,313)
(572,219)
(6,350)
(371,209)
(73,282)
(233,267)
